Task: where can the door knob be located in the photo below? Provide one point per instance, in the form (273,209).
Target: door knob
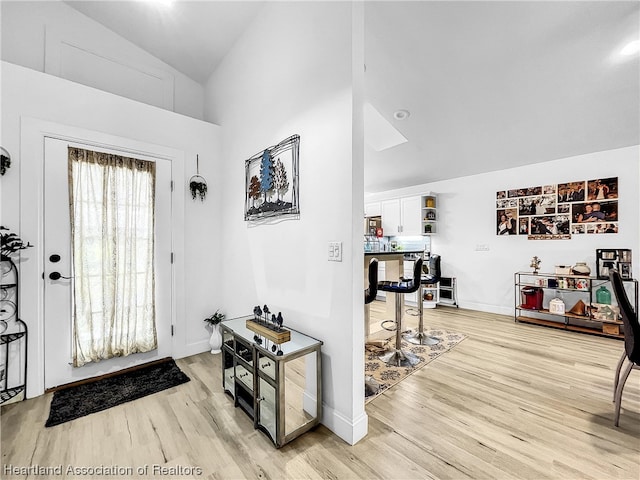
(55,258)
(57,276)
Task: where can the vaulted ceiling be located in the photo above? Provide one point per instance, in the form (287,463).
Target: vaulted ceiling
(488,85)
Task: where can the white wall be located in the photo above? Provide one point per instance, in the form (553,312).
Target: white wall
(27,94)
(54,38)
(467,218)
(291,73)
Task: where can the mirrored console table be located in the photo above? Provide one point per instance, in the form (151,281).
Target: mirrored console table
(277,385)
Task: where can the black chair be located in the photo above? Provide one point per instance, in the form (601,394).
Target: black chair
(371,386)
(631,339)
(371,292)
(398,357)
(432,277)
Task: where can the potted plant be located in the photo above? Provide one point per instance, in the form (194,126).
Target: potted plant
(216,337)
(10,243)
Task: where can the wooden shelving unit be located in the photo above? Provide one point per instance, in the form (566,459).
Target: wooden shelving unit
(587,323)
(568,326)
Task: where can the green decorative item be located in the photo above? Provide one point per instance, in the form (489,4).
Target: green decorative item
(603,295)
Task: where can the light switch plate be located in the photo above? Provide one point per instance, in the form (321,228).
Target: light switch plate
(335,251)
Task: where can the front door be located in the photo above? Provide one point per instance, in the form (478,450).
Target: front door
(58,258)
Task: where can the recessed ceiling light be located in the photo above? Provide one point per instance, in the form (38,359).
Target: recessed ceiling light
(401,114)
(631,48)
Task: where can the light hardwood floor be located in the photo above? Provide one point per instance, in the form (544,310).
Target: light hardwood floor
(511,401)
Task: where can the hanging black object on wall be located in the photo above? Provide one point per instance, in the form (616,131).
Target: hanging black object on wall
(197,183)
(5,160)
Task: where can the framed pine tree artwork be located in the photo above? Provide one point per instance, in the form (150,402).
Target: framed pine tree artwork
(271,181)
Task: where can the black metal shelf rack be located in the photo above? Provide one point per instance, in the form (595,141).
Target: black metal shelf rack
(13,337)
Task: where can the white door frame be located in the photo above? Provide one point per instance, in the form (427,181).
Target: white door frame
(33,133)
(58,294)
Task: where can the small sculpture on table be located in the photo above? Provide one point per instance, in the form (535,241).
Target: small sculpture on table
(270,326)
(535,264)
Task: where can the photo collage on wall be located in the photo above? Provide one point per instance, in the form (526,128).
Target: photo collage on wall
(559,211)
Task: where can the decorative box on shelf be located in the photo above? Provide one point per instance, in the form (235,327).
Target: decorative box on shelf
(556,306)
(611,329)
(275,334)
(563,270)
(605,312)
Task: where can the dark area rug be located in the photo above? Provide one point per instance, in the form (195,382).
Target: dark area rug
(78,401)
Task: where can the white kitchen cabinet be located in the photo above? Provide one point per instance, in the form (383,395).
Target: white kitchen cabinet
(411,215)
(372,209)
(390,211)
(402,216)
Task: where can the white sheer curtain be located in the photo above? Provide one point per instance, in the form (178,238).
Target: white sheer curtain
(112,235)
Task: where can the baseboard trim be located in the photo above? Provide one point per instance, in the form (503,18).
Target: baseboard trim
(193,349)
(349,431)
(482,307)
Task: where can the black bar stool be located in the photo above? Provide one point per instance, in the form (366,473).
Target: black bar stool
(432,277)
(398,357)
(371,292)
(371,386)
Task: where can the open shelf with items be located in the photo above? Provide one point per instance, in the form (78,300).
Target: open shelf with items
(430,295)
(13,337)
(569,302)
(277,385)
(429,215)
(447,294)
